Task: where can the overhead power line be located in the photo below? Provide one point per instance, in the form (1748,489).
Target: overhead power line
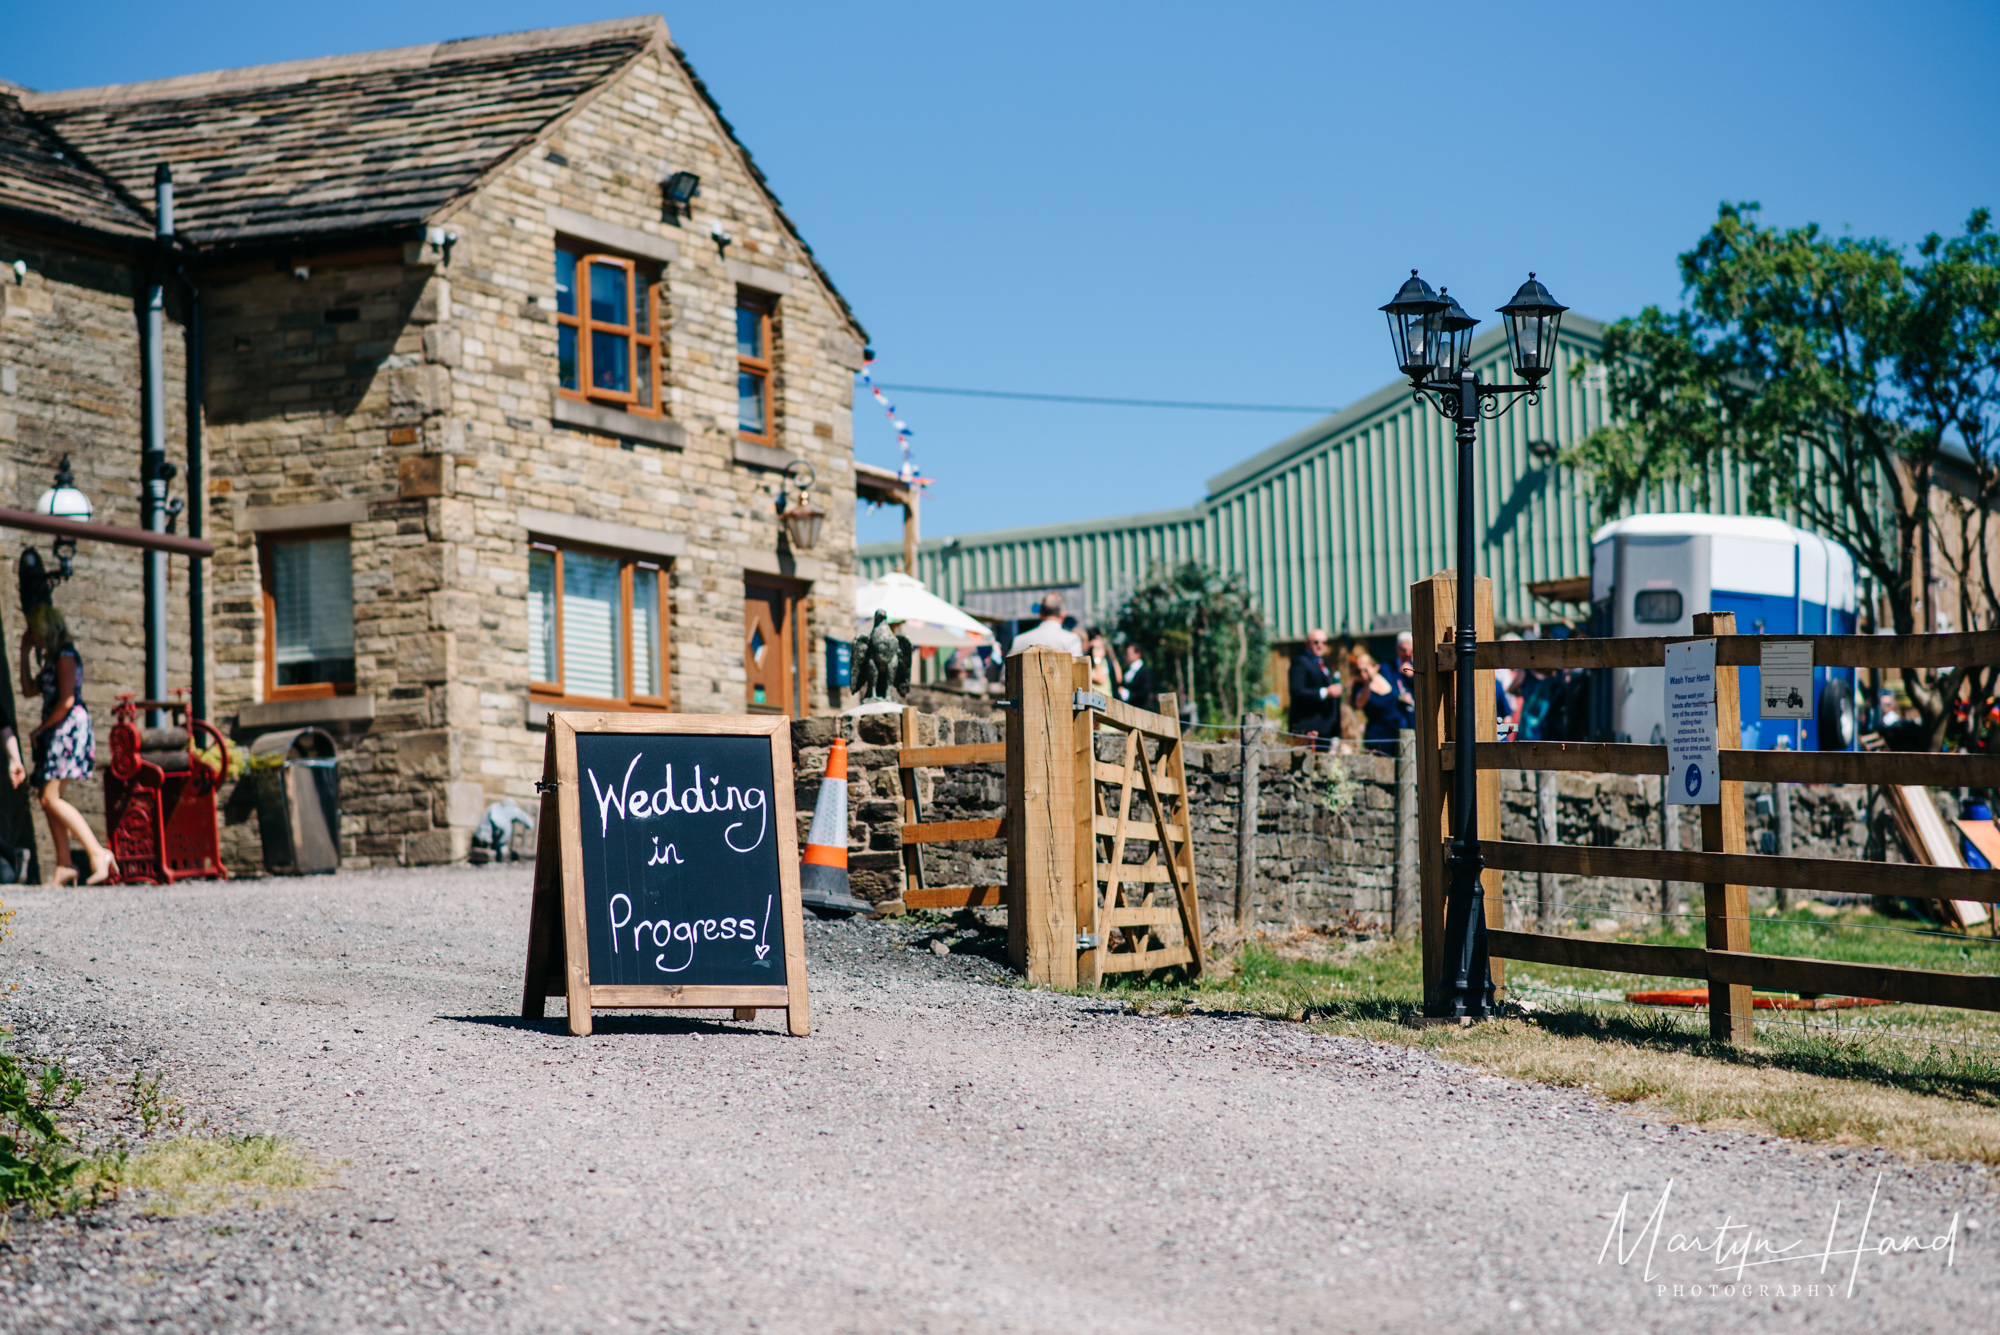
(1115,403)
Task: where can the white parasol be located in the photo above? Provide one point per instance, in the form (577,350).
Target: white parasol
(926,618)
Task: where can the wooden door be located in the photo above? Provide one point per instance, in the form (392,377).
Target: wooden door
(774,648)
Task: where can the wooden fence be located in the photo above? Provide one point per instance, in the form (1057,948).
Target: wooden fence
(917,831)
(1093,886)
(1723,865)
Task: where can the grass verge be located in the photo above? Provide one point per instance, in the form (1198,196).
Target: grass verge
(195,1174)
(1913,1079)
(43,1170)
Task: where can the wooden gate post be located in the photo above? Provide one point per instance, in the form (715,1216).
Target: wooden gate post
(1041,817)
(1433,612)
(1726,907)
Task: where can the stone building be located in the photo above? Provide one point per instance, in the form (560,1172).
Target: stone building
(494,414)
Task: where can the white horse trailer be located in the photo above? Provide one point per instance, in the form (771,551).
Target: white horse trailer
(1650,574)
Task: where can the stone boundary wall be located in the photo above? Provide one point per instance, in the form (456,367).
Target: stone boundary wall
(1326,827)
(875,798)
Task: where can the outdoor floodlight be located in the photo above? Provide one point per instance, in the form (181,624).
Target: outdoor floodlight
(678,191)
(681,188)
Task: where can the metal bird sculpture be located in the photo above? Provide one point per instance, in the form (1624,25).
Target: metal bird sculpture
(882,661)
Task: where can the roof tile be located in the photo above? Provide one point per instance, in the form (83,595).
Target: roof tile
(336,146)
(41,177)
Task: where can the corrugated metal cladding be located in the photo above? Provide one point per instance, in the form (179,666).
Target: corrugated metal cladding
(1331,526)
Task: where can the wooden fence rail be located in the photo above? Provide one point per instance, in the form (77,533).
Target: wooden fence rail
(918,832)
(1953,770)
(1723,866)
(1732,650)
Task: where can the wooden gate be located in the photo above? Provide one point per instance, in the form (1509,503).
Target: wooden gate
(1123,906)
(1077,909)
(1723,866)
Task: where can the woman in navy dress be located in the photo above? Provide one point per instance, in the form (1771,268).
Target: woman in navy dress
(1385,702)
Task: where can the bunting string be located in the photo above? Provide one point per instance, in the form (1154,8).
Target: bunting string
(908,470)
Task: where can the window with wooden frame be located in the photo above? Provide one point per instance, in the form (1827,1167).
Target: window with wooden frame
(755,367)
(607,331)
(597,627)
(308,579)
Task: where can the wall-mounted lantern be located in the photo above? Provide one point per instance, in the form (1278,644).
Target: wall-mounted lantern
(64,501)
(802,521)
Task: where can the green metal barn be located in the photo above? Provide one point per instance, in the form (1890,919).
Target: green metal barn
(1334,523)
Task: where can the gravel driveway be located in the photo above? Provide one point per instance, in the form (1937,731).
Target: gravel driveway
(947,1152)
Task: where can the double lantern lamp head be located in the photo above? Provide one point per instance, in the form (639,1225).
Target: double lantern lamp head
(1432,334)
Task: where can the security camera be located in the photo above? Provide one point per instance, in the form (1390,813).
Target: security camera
(301,272)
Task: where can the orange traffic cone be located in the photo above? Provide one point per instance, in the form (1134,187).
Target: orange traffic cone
(823,885)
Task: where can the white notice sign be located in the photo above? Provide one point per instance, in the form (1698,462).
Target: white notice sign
(1784,679)
(1693,777)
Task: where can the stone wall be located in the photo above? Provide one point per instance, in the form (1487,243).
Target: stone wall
(1326,837)
(1327,830)
(70,383)
(318,391)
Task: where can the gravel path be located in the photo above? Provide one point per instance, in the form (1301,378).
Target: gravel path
(948,1152)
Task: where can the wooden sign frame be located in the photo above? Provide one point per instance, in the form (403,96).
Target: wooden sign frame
(558,940)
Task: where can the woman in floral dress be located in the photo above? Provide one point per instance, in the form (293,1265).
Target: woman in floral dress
(63,748)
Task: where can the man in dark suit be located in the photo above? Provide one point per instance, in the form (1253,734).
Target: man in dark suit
(1315,710)
(1138,686)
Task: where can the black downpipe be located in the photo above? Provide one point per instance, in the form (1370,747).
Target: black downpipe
(197,621)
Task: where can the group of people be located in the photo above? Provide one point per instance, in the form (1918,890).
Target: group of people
(1127,676)
(1384,700)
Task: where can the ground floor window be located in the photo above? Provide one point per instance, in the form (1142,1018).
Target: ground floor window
(597,627)
(308,614)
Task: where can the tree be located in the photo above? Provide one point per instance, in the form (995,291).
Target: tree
(1857,386)
(1207,626)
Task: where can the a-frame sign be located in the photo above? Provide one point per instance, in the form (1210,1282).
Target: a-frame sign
(667,868)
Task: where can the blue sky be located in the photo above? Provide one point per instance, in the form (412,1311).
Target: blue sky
(1208,202)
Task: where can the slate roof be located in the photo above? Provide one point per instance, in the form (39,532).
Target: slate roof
(41,177)
(349,144)
(371,144)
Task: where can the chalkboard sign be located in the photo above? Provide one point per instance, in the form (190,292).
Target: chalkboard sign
(666,871)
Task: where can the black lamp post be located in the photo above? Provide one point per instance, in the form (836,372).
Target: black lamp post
(1433,341)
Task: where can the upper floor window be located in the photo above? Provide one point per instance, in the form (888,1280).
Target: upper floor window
(753,366)
(308,615)
(607,335)
(597,627)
